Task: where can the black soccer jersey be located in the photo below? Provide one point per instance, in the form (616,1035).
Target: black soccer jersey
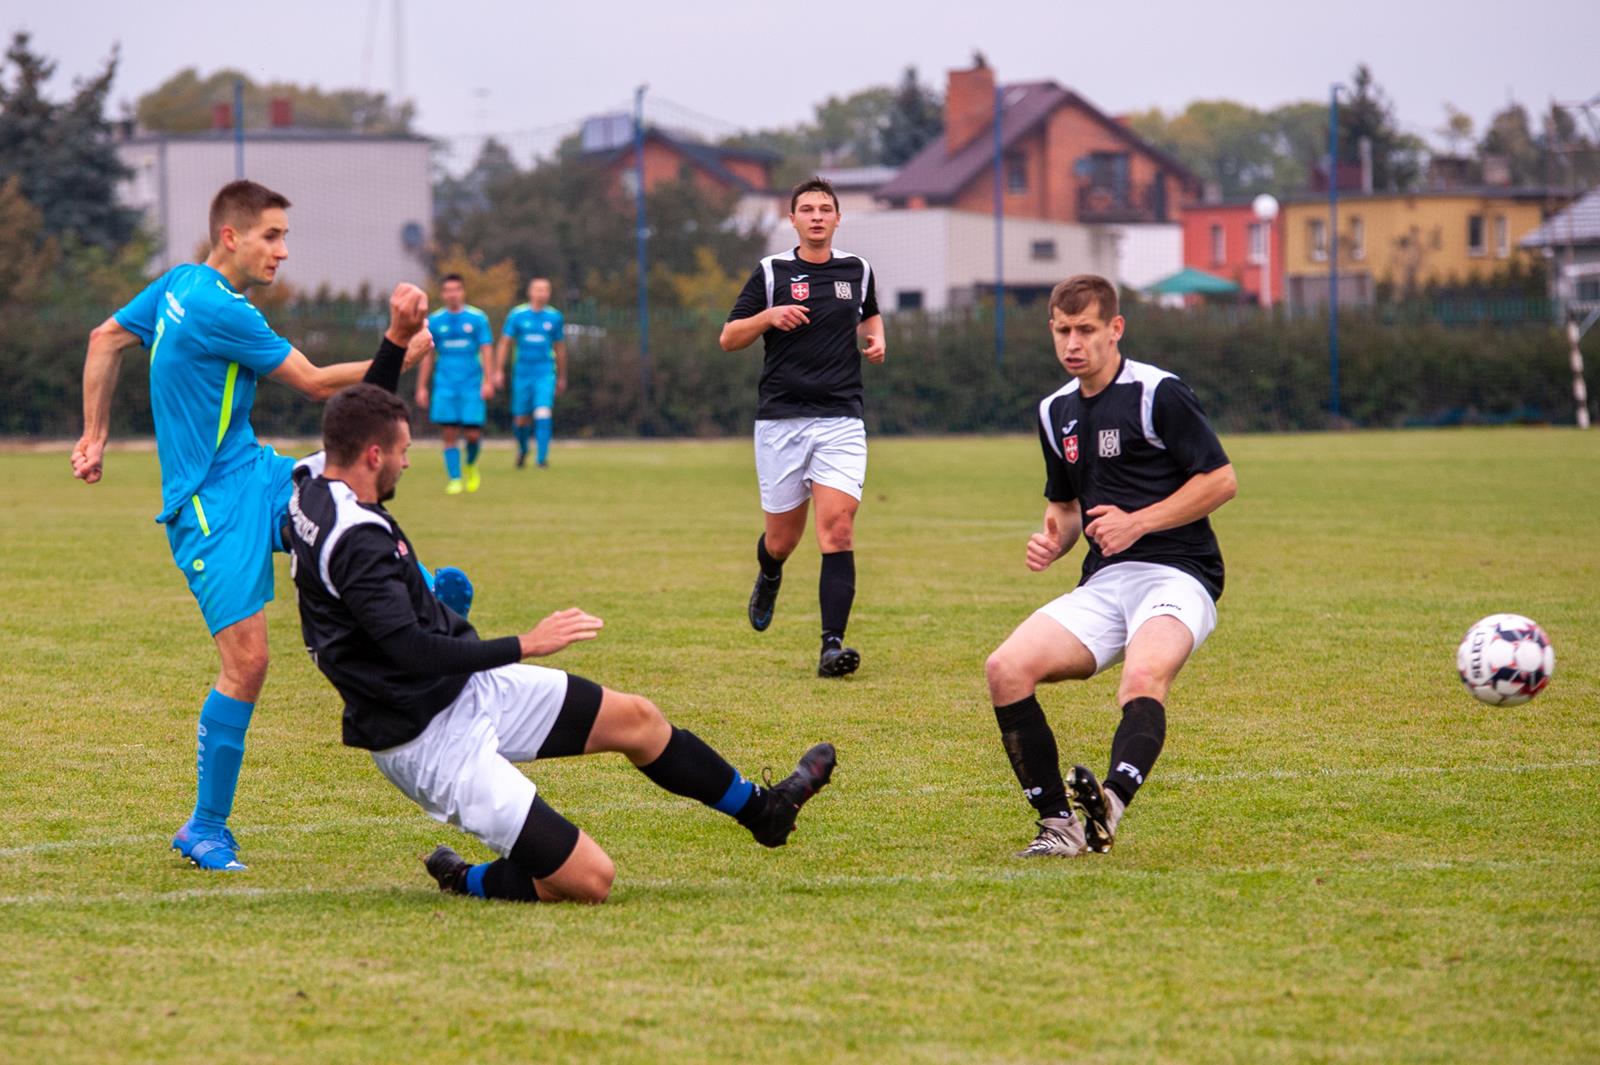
(814,370)
(1130,445)
(395,653)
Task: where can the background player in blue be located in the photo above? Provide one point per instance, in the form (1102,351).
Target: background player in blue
(540,373)
(224,496)
(464,343)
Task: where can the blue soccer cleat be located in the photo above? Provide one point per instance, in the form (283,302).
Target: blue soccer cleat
(453,589)
(212,849)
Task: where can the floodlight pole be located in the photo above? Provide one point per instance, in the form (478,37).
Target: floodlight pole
(641,236)
(238,129)
(999,231)
(1333,250)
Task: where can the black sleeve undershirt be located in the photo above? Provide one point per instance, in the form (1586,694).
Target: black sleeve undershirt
(386,365)
(371,582)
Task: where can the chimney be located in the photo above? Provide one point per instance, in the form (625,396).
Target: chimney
(280,112)
(221,116)
(968,106)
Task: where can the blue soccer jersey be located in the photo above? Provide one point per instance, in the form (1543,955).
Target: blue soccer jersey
(457,338)
(208,344)
(535,333)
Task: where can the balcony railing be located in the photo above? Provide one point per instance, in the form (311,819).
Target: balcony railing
(1122,203)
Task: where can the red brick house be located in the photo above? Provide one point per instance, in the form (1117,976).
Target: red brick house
(1064,159)
(1226,239)
(732,172)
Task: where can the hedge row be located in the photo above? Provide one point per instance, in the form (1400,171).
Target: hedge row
(1251,371)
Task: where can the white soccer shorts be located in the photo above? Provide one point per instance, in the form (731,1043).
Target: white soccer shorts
(1105,612)
(459,770)
(792,454)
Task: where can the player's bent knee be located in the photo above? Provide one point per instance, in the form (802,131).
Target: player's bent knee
(1008,681)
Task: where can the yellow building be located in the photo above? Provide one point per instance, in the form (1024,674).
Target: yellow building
(1405,240)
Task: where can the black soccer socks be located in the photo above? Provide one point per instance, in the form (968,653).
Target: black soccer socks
(1136,746)
(688,766)
(1031,746)
(836,590)
(771,568)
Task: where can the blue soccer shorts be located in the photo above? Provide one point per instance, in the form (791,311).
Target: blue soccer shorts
(224,537)
(532,390)
(457,406)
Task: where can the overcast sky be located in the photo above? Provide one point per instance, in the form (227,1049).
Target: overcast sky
(516,68)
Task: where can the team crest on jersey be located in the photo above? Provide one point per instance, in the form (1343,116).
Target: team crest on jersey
(400,546)
(842,290)
(1110,443)
(1069,447)
(800,290)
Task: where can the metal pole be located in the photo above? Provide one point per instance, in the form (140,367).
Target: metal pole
(999,233)
(1333,250)
(1580,392)
(641,235)
(238,129)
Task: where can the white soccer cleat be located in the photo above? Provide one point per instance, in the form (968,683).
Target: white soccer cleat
(1059,837)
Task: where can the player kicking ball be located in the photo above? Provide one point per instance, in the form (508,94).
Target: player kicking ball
(445,714)
(223,494)
(1132,464)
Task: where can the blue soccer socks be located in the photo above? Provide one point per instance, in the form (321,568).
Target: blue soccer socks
(473,447)
(220,745)
(524,434)
(452,463)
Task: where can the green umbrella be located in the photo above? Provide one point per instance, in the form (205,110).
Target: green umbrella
(1192,282)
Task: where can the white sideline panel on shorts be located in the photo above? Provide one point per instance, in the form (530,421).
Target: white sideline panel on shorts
(460,769)
(1104,613)
(792,454)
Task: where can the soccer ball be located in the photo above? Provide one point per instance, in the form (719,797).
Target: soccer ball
(1505,659)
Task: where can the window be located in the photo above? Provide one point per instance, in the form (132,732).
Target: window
(1358,238)
(1219,246)
(1043,251)
(1589,289)
(1475,245)
(1502,237)
(1016,173)
(1317,239)
(1258,242)
(908,299)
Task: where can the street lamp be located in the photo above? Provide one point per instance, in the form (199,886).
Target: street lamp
(1265,207)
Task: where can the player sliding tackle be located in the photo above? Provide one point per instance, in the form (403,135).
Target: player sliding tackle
(223,495)
(445,714)
(1132,464)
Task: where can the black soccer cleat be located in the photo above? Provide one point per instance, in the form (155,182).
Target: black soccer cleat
(838,661)
(1094,809)
(785,798)
(449,869)
(763,597)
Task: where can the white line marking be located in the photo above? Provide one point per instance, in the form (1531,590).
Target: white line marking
(1174,777)
(1001,873)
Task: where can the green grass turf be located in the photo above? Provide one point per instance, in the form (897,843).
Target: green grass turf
(1341,856)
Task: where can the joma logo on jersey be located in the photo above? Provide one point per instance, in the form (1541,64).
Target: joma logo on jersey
(1069,447)
(842,290)
(800,290)
(1110,443)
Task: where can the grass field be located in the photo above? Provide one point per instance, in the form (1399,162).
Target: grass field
(1341,857)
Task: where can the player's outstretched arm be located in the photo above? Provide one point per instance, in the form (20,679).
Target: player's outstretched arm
(1062,524)
(100,366)
(559,630)
(874,345)
(1114,530)
(408,312)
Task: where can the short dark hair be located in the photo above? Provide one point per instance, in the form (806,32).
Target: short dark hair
(447,278)
(1076,293)
(358,417)
(239,204)
(812,184)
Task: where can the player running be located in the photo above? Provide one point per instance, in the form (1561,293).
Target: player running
(540,372)
(1128,451)
(464,341)
(810,306)
(446,714)
(223,494)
